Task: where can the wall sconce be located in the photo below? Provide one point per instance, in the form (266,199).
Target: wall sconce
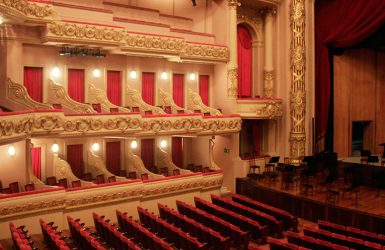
(95,147)
(55,72)
(163,143)
(134,144)
(11,150)
(164,75)
(192,77)
(133,74)
(55,148)
(1,20)
(96,73)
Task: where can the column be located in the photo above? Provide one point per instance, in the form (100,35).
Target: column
(232,67)
(297,89)
(268,71)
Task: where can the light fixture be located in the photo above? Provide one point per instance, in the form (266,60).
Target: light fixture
(81,51)
(96,73)
(133,74)
(11,150)
(164,75)
(192,77)
(134,144)
(55,148)
(163,143)
(1,20)
(95,147)
(55,72)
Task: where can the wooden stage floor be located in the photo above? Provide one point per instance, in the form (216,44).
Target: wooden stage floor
(369,200)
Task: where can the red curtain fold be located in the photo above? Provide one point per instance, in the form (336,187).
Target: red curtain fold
(114,87)
(75,159)
(76,84)
(113,156)
(33,82)
(177,151)
(148,87)
(244,62)
(339,24)
(36,161)
(204,88)
(178,89)
(147,152)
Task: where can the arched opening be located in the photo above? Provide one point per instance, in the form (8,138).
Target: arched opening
(245,58)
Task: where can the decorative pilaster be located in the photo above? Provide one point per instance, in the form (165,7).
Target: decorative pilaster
(232,69)
(268,72)
(298,91)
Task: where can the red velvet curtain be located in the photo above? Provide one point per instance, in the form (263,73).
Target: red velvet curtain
(177,151)
(178,89)
(114,87)
(148,87)
(244,61)
(339,24)
(147,152)
(204,88)
(33,81)
(76,84)
(113,156)
(36,161)
(75,159)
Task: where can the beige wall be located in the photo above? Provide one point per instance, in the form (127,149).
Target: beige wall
(13,168)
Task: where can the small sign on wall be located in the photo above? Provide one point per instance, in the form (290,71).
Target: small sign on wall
(226,150)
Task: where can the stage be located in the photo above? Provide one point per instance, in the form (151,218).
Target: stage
(369,214)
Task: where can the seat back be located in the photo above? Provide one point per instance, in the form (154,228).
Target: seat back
(112,178)
(114,110)
(63,183)
(51,181)
(87,177)
(135,109)
(122,172)
(100,179)
(57,106)
(167,109)
(144,176)
(132,175)
(14,187)
(176,172)
(181,111)
(29,187)
(97,107)
(76,183)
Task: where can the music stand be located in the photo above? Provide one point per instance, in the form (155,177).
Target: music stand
(274,159)
(365,153)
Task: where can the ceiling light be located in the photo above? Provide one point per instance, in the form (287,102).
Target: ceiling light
(163,143)
(134,144)
(133,74)
(192,77)
(55,72)
(164,75)
(96,73)
(11,150)
(55,148)
(95,147)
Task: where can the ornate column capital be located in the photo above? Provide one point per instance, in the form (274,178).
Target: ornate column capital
(232,82)
(233,3)
(268,80)
(267,11)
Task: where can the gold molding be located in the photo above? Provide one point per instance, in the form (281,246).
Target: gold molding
(203,51)
(232,82)
(194,101)
(233,3)
(268,83)
(17,93)
(27,8)
(298,88)
(153,43)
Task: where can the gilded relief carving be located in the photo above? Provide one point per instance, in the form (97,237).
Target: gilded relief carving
(28,8)
(205,52)
(232,82)
(134,99)
(164,160)
(298,88)
(268,87)
(165,99)
(194,102)
(99,96)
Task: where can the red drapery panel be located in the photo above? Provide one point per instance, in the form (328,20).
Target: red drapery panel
(75,159)
(113,156)
(178,89)
(339,24)
(204,88)
(76,84)
(148,87)
(36,161)
(177,151)
(33,81)
(114,87)
(244,61)
(147,152)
